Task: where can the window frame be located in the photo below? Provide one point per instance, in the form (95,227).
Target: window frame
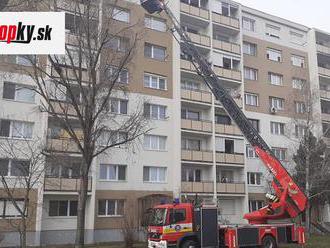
(119,11)
(150,81)
(251,72)
(150,147)
(158,174)
(159,116)
(246,95)
(152,19)
(277,52)
(301,59)
(279,130)
(252,24)
(249,45)
(108,170)
(257,178)
(68,209)
(152,51)
(277,102)
(118,105)
(116,214)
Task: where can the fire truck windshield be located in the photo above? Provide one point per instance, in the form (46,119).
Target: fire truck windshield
(158,217)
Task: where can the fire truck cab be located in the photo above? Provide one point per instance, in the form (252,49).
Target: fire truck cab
(182,225)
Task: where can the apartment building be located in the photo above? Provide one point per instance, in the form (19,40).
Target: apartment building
(212,156)
(194,151)
(276,77)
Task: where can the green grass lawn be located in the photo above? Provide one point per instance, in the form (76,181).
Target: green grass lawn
(315,241)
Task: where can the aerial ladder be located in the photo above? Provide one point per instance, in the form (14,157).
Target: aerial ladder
(288,200)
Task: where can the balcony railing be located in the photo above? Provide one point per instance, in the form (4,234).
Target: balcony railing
(196,95)
(238,101)
(225,20)
(187,65)
(325,94)
(324,71)
(62,145)
(227,46)
(203,126)
(231,188)
(197,156)
(227,73)
(62,108)
(64,184)
(200,39)
(323,49)
(195,11)
(197,187)
(227,129)
(230,158)
(325,117)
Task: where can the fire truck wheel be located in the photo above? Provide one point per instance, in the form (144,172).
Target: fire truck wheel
(269,242)
(189,244)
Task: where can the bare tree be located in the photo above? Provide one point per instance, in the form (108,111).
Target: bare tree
(26,176)
(81,90)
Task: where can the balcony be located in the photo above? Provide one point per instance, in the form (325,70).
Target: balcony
(325,94)
(187,65)
(231,188)
(238,101)
(194,11)
(324,71)
(225,20)
(197,156)
(227,73)
(202,126)
(196,95)
(62,145)
(323,49)
(64,184)
(230,158)
(227,129)
(200,39)
(197,187)
(62,108)
(227,46)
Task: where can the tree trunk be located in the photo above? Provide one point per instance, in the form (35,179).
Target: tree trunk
(82,198)
(22,233)
(307,214)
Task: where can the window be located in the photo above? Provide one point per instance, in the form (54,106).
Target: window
(300,107)
(154,81)
(8,210)
(155,23)
(189,85)
(277,128)
(222,119)
(111,207)
(298,61)
(177,215)
(63,208)
(325,130)
(273,31)
(250,73)
(18,92)
(298,83)
(119,44)
(248,24)
(229,146)
(120,14)
(275,79)
(277,103)
(154,142)
(154,174)
(156,112)
(16,129)
(255,124)
(225,176)
(13,167)
(115,76)
(26,60)
(118,106)
(191,144)
(300,131)
(113,172)
(254,178)
(154,52)
(250,152)
(249,48)
(296,38)
(274,55)
(255,205)
(69,170)
(190,114)
(191,175)
(280,153)
(108,138)
(251,99)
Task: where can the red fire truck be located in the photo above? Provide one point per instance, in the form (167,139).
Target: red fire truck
(183,225)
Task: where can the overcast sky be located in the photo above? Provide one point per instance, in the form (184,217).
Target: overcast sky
(309,13)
